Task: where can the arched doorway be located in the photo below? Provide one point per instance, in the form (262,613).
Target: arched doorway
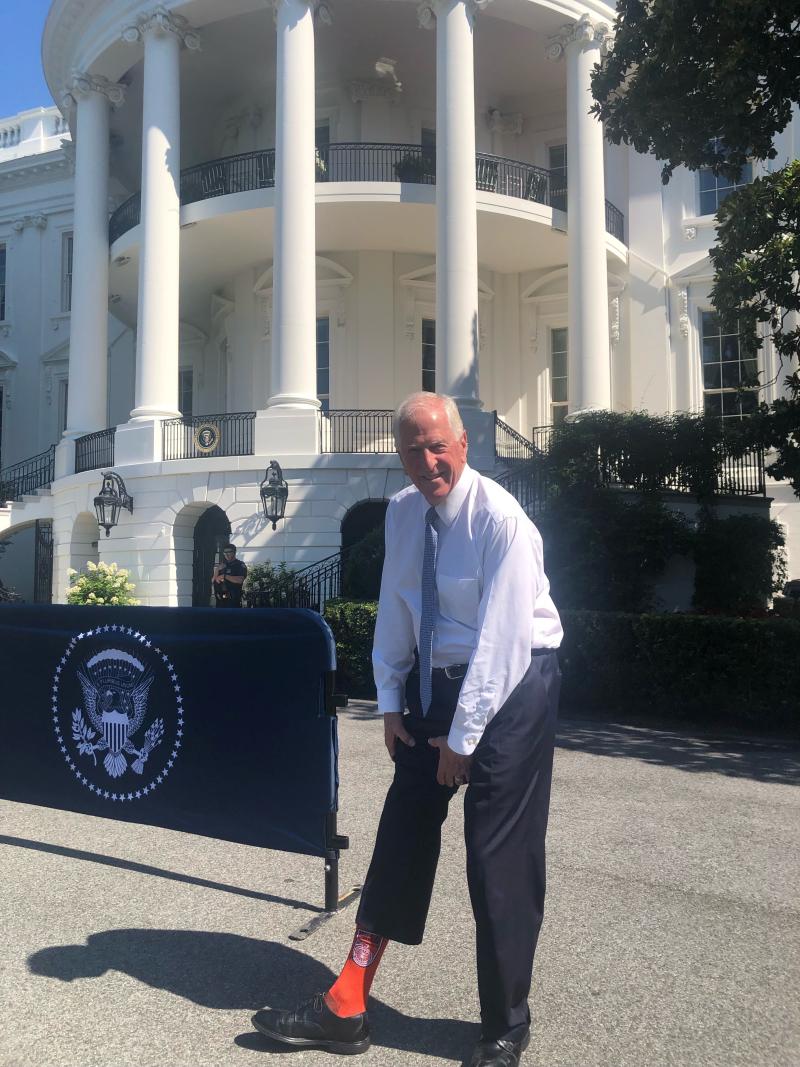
(212,530)
(362,526)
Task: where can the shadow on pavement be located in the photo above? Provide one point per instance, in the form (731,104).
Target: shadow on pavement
(686,750)
(230,972)
(157,872)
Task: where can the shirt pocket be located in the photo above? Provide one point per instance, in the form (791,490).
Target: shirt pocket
(459,598)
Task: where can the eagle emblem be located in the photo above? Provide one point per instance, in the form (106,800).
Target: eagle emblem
(115,686)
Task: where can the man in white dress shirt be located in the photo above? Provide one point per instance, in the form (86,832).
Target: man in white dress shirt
(465,640)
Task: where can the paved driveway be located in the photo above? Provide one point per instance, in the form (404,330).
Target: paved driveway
(671,934)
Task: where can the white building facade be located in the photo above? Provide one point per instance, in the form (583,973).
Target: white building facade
(278,219)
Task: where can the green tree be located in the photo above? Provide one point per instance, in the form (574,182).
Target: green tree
(709,83)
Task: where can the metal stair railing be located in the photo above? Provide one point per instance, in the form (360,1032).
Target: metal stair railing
(25,477)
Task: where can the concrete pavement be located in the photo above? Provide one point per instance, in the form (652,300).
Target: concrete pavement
(671,935)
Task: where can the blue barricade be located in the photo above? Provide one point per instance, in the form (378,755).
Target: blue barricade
(211,722)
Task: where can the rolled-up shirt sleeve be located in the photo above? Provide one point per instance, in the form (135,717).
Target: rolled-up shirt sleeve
(512,575)
(394,643)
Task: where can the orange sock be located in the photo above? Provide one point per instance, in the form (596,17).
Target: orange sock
(348,994)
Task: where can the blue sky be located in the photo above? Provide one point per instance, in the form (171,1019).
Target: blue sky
(22,83)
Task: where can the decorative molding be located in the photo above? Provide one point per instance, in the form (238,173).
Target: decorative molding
(5,330)
(500,123)
(39,221)
(690,232)
(613,321)
(426,11)
(375,89)
(68,148)
(161,22)
(586,31)
(683,311)
(82,85)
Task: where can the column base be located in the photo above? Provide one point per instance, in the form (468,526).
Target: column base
(480,436)
(65,457)
(294,400)
(138,441)
(283,430)
(140,414)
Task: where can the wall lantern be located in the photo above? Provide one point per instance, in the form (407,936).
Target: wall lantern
(113,496)
(274,493)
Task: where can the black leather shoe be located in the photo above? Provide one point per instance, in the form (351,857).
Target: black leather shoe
(312,1024)
(501,1053)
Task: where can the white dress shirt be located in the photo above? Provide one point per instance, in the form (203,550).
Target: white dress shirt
(493,599)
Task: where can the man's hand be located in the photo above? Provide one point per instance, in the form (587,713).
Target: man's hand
(453,767)
(394,731)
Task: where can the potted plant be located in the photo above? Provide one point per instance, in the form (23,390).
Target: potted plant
(411,167)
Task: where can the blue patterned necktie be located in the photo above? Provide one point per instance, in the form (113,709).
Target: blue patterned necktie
(428,616)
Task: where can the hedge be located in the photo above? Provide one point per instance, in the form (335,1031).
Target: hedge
(701,668)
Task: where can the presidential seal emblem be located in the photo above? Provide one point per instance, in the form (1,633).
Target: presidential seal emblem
(206,437)
(117,712)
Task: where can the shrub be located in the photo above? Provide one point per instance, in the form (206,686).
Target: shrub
(740,563)
(604,549)
(101,584)
(692,667)
(361,576)
(268,585)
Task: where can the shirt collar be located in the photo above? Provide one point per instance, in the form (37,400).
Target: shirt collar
(451,505)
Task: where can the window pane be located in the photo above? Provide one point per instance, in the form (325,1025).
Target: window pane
(712,403)
(323,381)
(749,371)
(708,181)
(711,350)
(730,376)
(708,203)
(323,328)
(559,414)
(559,390)
(559,364)
(711,377)
(428,332)
(730,348)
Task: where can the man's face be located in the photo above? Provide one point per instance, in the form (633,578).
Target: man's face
(432,455)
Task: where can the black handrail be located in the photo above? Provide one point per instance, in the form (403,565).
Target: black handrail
(28,475)
(354,161)
(357,431)
(509,445)
(310,587)
(204,436)
(95,450)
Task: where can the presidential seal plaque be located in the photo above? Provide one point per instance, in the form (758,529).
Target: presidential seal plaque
(206,437)
(118,712)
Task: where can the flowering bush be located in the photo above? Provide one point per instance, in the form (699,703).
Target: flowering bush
(101,583)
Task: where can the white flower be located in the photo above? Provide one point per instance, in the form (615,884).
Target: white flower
(90,566)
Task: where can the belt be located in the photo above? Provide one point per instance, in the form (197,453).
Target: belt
(458,670)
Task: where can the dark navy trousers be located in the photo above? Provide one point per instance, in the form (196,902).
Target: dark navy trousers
(505,822)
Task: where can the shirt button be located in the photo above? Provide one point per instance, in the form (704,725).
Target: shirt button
(471,741)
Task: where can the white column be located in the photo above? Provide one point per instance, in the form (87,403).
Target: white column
(156,390)
(88,343)
(589,348)
(457,333)
(294,338)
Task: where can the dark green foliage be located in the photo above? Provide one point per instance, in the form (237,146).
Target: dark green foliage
(683,72)
(353,626)
(740,563)
(697,668)
(605,548)
(362,567)
(268,585)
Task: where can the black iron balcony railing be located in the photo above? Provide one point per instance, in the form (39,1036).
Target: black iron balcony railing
(733,475)
(356,431)
(203,436)
(367,162)
(28,475)
(510,446)
(95,450)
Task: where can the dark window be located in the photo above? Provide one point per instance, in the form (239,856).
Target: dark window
(324,362)
(715,188)
(66,272)
(63,405)
(429,355)
(558,176)
(2,282)
(729,381)
(186,391)
(559,393)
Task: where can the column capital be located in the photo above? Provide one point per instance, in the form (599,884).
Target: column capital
(585,32)
(427,10)
(82,85)
(161,22)
(320,9)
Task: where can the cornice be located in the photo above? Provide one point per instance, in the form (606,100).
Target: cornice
(29,170)
(585,32)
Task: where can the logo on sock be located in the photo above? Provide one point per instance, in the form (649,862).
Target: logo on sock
(365,948)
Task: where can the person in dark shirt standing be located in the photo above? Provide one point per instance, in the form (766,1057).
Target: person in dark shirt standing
(228,579)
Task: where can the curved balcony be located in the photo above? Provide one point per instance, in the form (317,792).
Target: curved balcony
(357,162)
